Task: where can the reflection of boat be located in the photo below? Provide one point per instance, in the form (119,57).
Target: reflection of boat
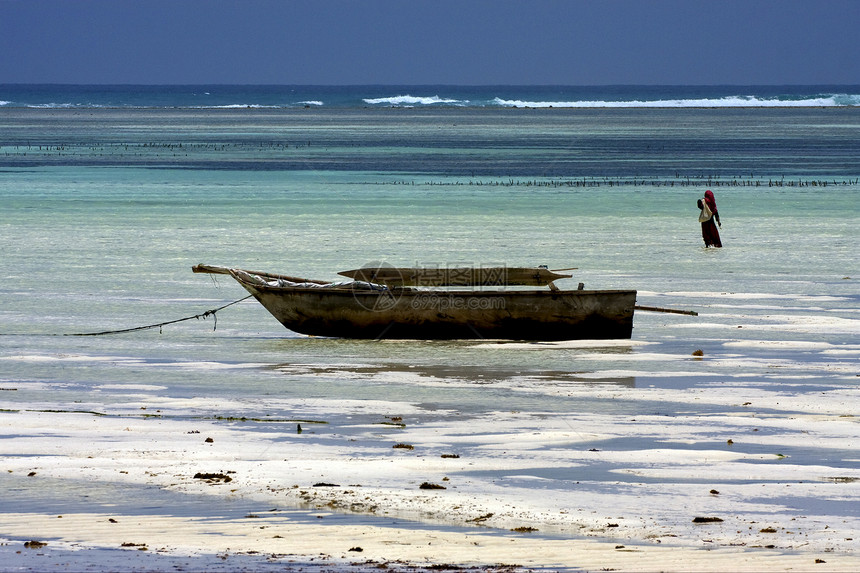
(478,373)
(365,309)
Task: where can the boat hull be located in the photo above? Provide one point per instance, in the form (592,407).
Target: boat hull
(445,315)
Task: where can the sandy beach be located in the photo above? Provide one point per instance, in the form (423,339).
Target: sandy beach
(713,490)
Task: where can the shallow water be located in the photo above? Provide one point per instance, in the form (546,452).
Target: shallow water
(100,233)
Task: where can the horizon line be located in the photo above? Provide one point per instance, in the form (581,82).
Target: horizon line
(473,85)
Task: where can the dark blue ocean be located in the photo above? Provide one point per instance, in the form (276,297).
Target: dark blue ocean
(225,96)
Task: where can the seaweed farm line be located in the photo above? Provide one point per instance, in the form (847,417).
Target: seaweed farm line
(634,182)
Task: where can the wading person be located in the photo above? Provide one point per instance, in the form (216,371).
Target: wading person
(709,214)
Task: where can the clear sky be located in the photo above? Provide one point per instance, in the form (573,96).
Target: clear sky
(560,42)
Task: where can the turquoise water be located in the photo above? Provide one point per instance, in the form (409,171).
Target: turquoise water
(101,227)
(105,210)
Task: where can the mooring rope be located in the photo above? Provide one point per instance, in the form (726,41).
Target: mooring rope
(160,324)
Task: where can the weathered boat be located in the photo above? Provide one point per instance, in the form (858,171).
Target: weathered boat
(388,307)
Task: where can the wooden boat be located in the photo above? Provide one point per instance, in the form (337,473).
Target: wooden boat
(384,309)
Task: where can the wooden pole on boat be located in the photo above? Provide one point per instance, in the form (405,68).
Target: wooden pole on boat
(215,270)
(211,269)
(670,310)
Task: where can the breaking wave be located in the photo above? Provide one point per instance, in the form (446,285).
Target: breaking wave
(412,100)
(835,100)
(278,97)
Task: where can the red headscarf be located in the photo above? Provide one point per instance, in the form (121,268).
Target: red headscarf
(711,201)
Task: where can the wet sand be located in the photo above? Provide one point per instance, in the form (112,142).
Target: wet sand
(713,490)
